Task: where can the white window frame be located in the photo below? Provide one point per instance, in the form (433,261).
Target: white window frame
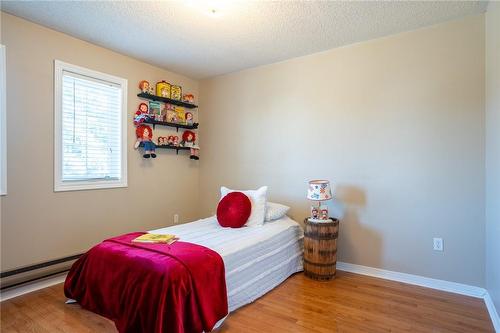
(60,185)
(3,122)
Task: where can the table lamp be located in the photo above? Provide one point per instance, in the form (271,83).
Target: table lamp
(319,190)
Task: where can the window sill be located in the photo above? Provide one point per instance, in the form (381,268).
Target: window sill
(88,185)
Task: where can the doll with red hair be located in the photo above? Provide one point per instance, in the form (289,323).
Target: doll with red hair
(189,140)
(141,114)
(144,135)
(144,86)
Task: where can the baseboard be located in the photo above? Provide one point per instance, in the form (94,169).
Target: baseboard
(31,286)
(495,318)
(452,287)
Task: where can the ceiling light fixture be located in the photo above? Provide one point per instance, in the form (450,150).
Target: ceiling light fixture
(212,8)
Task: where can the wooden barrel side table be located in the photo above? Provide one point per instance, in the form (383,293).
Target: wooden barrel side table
(320,249)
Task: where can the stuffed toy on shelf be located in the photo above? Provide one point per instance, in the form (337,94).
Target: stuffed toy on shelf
(189,140)
(144,135)
(142,114)
(144,86)
(188,98)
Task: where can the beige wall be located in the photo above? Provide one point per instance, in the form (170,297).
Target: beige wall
(493,152)
(38,224)
(397,125)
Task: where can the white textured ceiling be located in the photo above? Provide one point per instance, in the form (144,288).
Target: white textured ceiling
(181,36)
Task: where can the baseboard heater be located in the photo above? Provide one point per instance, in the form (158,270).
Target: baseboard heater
(22,275)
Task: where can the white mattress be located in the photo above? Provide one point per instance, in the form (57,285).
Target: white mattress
(257,259)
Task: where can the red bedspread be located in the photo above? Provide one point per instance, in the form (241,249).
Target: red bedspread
(151,288)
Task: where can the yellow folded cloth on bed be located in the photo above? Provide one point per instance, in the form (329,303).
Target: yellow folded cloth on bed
(155,238)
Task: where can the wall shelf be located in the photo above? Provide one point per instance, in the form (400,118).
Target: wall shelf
(177,148)
(165,123)
(167,100)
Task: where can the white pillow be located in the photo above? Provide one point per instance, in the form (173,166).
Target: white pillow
(258,199)
(275,211)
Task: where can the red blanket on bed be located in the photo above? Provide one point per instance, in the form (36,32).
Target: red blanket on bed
(151,287)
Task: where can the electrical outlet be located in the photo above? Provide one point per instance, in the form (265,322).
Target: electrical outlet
(176,218)
(438,244)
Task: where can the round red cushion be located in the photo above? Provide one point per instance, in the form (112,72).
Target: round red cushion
(234,210)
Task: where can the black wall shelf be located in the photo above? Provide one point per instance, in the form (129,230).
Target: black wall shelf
(177,148)
(165,123)
(173,147)
(167,100)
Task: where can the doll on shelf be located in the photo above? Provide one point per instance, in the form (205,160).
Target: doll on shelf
(189,118)
(144,86)
(141,114)
(189,140)
(188,98)
(144,135)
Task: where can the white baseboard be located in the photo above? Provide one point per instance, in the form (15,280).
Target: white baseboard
(422,281)
(31,286)
(452,287)
(495,318)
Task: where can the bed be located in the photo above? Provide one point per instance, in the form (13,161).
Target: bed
(256,259)
(191,285)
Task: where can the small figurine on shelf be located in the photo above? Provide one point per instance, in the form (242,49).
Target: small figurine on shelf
(160,116)
(189,140)
(188,98)
(189,119)
(162,141)
(170,140)
(175,141)
(144,135)
(144,86)
(141,114)
(164,113)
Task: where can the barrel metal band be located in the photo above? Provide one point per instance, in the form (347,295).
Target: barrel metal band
(322,252)
(320,265)
(328,236)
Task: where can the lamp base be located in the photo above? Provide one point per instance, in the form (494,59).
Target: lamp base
(319,212)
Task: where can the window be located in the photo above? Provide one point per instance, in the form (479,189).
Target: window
(3,124)
(90,129)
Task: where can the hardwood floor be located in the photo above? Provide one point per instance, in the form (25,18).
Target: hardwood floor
(350,303)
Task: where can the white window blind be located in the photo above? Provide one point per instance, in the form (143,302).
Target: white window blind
(92,139)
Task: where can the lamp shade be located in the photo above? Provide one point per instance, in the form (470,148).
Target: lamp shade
(319,190)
